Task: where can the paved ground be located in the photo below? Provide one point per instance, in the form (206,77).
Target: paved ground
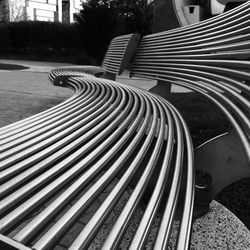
(27,92)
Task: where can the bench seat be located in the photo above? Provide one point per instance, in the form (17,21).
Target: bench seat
(107,130)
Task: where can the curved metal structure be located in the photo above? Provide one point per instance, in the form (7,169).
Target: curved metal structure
(211,57)
(114,149)
(106,133)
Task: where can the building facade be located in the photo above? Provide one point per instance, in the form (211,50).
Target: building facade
(39,10)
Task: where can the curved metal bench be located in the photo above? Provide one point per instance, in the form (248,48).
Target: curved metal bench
(65,170)
(211,58)
(107,130)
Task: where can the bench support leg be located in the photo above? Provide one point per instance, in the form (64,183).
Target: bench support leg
(162,89)
(223,160)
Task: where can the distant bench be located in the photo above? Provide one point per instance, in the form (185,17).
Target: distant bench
(110,141)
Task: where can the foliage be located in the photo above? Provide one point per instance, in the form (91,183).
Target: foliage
(101,20)
(16,11)
(42,40)
(36,35)
(137,14)
(5,39)
(97,27)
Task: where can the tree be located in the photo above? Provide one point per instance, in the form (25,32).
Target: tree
(98,25)
(4,13)
(17,12)
(138,15)
(101,20)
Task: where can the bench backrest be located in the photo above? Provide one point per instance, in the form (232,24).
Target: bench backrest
(117,58)
(119,53)
(211,57)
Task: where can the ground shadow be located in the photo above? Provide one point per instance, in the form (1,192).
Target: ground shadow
(236,197)
(4,66)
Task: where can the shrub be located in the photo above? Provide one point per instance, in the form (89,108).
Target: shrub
(34,35)
(43,41)
(100,25)
(5,39)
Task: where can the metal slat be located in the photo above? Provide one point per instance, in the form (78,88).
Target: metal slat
(191,84)
(27,184)
(42,218)
(70,216)
(118,229)
(93,225)
(7,202)
(60,134)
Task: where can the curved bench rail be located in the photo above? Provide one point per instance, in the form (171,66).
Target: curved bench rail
(212,58)
(107,136)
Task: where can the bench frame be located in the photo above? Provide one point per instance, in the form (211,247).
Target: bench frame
(196,65)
